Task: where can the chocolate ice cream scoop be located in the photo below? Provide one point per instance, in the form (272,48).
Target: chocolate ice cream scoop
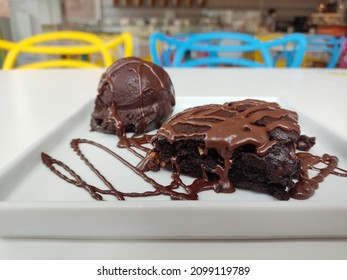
(134,96)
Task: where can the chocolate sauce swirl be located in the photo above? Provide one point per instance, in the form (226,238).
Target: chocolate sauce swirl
(97,193)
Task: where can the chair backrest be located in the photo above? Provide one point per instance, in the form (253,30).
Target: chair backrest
(339,48)
(222,48)
(267,37)
(291,48)
(326,44)
(95,45)
(5,46)
(125,40)
(162,47)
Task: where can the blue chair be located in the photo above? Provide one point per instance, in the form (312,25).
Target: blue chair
(291,48)
(220,48)
(325,44)
(163,47)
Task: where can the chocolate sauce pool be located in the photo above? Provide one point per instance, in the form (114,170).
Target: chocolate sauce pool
(214,138)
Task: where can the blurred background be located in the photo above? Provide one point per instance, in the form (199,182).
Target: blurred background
(23,18)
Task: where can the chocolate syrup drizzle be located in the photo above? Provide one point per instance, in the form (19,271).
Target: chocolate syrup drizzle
(97,193)
(251,123)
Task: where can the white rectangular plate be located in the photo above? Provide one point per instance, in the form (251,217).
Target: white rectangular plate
(36,203)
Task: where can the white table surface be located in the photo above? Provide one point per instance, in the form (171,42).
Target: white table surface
(32,103)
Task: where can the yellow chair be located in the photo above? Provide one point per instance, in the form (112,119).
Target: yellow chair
(114,41)
(96,45)
(269,36)
(5,46)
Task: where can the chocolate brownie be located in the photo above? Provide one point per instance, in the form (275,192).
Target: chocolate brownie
(248,144)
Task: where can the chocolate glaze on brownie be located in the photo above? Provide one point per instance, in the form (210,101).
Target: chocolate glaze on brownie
(134,96)
(246,144)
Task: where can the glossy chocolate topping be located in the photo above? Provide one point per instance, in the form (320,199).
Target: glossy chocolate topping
(223,128)
(226,127)
(134,96)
